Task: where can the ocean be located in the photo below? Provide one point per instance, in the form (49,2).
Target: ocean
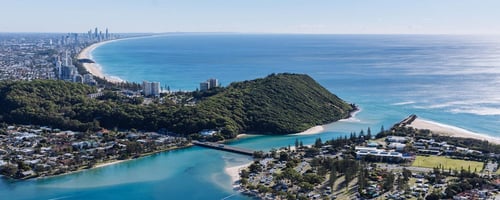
(447,79)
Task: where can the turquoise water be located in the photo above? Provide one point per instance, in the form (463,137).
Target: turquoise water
(448,79)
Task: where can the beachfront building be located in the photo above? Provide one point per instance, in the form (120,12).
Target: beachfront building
(380,154)
(151,88)
(89,79)
(68,73)
(209,84)
(213,82)
(78,78)
(204,86)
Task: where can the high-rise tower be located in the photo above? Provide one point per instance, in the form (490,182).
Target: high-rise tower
(66,59)
(58,67)
(151,88)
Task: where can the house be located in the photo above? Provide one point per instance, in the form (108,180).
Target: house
(379,153)
(207,132)
(372,144)
(397,146)
(426,151)
(397,139)
(28,173)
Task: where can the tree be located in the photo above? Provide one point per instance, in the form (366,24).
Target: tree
(274,153)
(8,170)
(284,156)
(400,183)
(244,181)
(388,181)
(318,143)
(363,177)
(348,177)
(369,134)
(311,152)
(433,196)
(258,154)
(244,173)
(362,134)
(255,167)
(292,175)
(296,143)
(333,177)
(263,189)
(312,178)
(306,187)
(291,164)
(406,174)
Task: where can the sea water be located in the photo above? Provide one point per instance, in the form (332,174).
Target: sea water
(448,79)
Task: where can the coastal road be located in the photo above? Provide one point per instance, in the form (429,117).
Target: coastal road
(392,167)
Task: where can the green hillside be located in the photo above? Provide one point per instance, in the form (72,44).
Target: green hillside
(277,104)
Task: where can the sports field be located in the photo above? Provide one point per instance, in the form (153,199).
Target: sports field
(454,164)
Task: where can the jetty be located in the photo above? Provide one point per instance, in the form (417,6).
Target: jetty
(406,121)
(224,147)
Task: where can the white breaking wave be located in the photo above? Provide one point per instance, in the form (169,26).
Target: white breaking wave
(353,117)
(477,111)
(403,103)
(453,130)
(65,197)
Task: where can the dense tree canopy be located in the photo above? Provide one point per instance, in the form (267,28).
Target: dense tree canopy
(277,104)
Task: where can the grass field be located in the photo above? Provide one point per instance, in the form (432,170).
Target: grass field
(454,164)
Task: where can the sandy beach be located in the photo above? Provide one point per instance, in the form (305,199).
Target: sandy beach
(311,131)
(234,172)
(243,135)
(109,163)
(94,68)
(448,130)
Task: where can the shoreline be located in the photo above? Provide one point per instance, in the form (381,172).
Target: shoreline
(110,163)
(234,171)
(321,128)
(94,68)
(243,135)
(448,130)
(313,130)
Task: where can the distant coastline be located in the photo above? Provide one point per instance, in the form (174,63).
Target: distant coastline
(96,69)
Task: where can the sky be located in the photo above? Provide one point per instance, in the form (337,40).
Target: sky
(254,16)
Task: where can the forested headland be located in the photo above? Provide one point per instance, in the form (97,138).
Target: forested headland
(276,104)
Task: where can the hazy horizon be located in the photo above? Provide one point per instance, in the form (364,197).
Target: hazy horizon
(457,17)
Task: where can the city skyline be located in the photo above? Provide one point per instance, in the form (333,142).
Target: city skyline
(291,16)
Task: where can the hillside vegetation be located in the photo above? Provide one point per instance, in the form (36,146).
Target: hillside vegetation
(277,104)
